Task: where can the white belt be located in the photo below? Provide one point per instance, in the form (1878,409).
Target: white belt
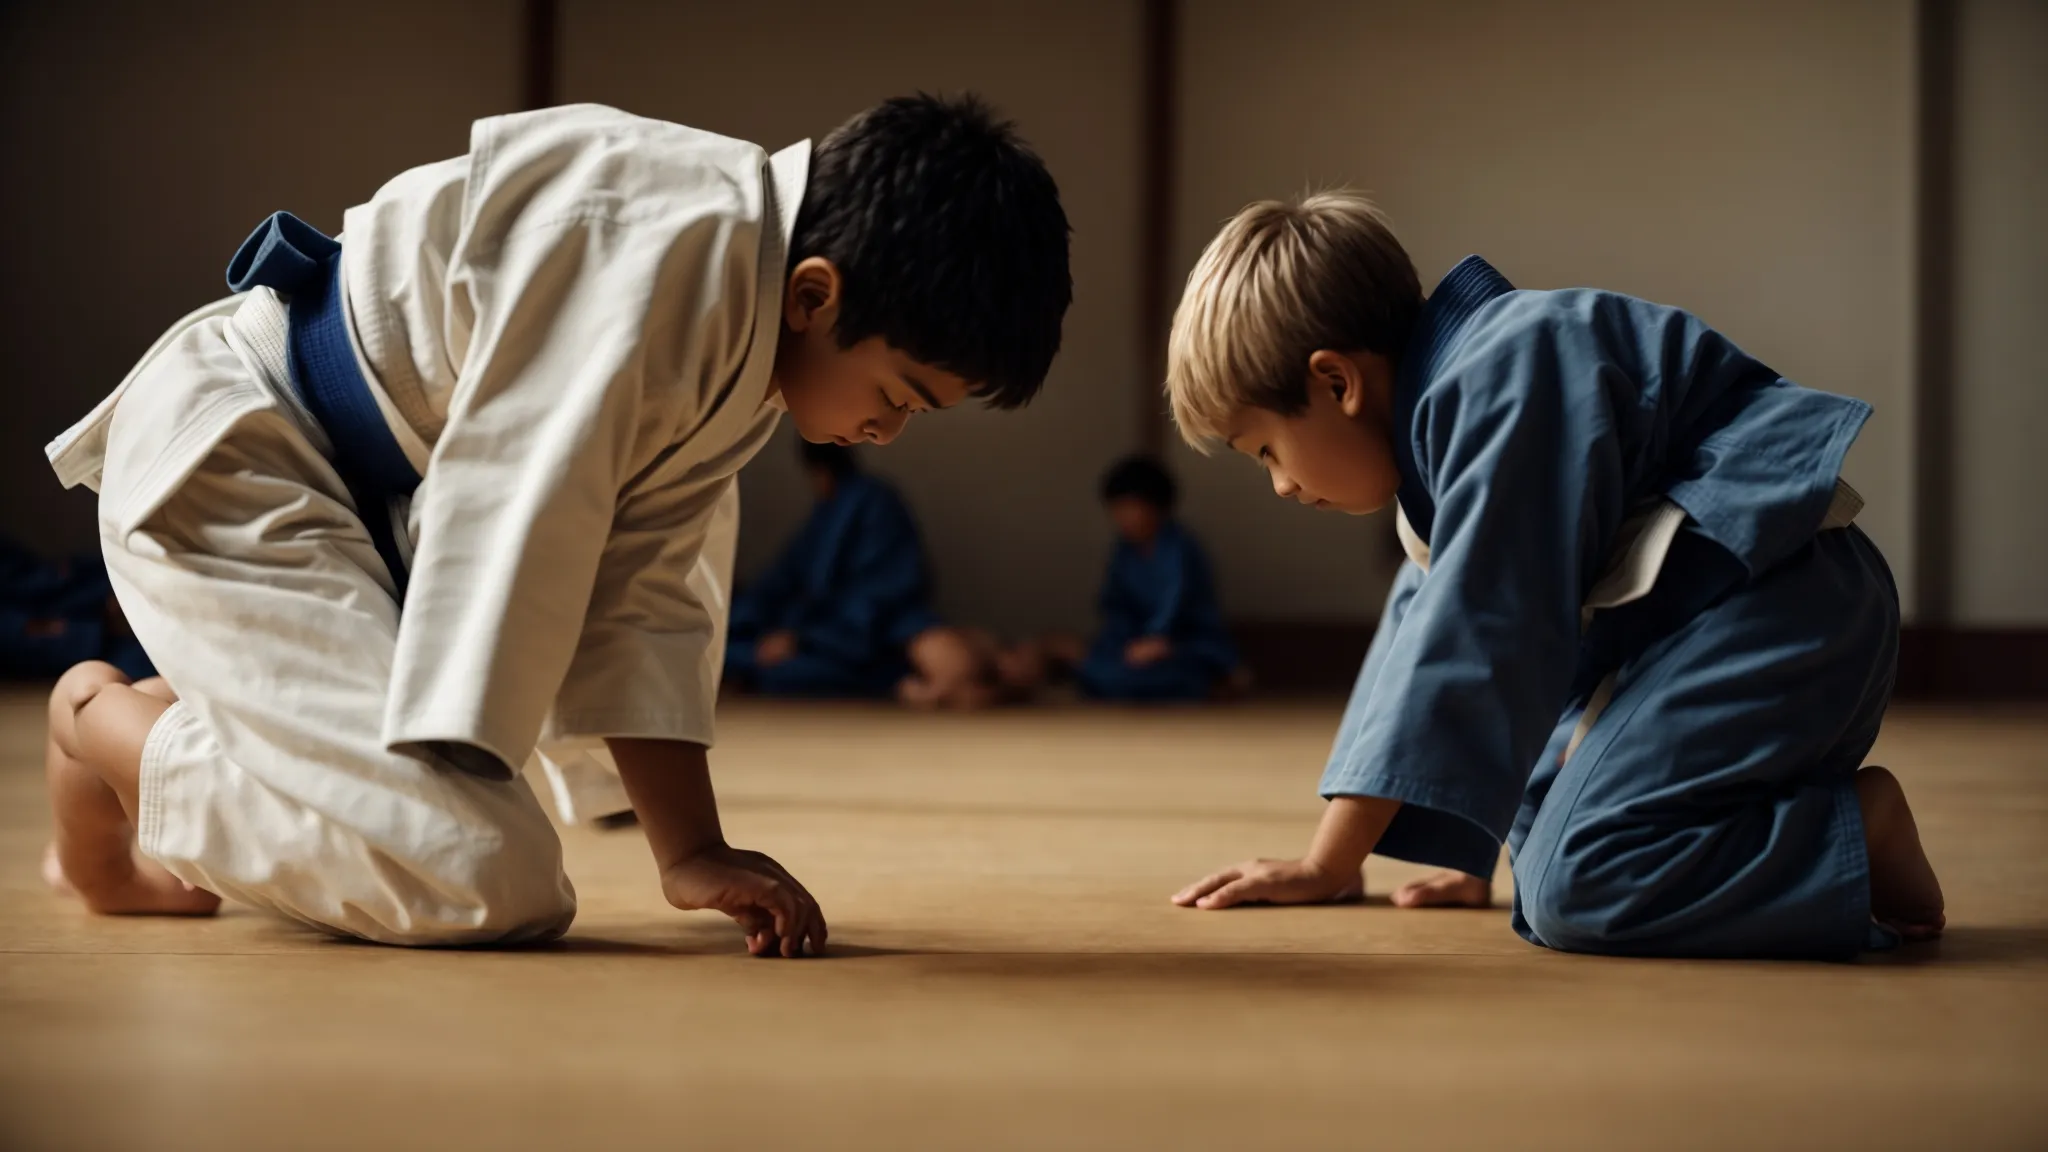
(1640,547)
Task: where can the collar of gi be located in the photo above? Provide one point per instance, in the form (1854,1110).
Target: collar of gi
(790,172)
(1463,291)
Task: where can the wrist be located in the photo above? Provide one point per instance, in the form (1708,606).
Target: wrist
(1337,867)
(1351,827)
(675,855)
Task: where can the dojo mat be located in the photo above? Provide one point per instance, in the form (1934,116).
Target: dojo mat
(1007,973)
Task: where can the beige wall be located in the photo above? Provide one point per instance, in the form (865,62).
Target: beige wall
(1006,499)
(144,140)
(2001,529)
(1748,160)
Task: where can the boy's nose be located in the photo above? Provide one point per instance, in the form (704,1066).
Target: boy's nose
(1284,485)
(887,426)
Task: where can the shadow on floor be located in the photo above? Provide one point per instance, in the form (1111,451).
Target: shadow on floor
(1989,945)
(997,809)
(724,942)
(1995,945)
(1139,972)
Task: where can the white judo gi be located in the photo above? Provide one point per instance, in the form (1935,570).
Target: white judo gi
(570,331)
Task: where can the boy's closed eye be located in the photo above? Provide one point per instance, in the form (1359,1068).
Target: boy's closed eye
(1263,454)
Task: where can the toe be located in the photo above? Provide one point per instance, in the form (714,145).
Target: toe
(53,873)
(1445,890)
(1924,930)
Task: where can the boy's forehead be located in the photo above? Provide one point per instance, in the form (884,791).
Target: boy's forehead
(936,386)
(1241,423)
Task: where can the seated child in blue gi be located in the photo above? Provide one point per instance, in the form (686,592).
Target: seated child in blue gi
(1162,636)
(846,608)
(416,504)
(1639,639)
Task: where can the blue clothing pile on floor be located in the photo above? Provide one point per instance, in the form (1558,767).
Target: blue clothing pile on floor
(54,614)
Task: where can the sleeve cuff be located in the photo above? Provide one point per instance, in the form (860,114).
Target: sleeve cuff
(669,724)
(1432,827)
(638,685)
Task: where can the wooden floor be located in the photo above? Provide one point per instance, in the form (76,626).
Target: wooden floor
(1009,975)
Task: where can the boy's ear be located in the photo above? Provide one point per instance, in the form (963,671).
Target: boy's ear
(811,296)
(1339,377)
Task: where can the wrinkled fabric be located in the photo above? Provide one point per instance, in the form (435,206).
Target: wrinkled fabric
(1530,427)
(571,330)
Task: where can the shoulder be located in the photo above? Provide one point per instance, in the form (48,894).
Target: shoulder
(590,162)
(607,136)
(1525,324)
(1523,342)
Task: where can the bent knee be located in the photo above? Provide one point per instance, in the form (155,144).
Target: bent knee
(1571,908)
(467,874)
(941,641)
(527,897)
(508,888)
(526,906)
(1558,924)
(158,687)
(945,654)
(111,726)
(539,926)
(80,684)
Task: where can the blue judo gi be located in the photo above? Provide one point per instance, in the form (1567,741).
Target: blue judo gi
(1706,807)
(1165,590)
(854,587)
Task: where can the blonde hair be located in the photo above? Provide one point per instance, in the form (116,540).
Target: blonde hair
(1279,282)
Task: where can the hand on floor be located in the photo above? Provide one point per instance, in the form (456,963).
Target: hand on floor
(1270,882)
(1147,650)
(774,648)
(777,914)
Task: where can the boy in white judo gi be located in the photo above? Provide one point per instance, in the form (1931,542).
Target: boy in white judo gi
(414,503)
(1638,638)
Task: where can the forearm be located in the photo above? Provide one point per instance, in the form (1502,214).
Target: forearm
(1351,826)
(669,783)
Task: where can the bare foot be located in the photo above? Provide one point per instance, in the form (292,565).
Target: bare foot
(140,887)
(973,696)
(1446,889)
(98,722)
(1022,670)
(918,693)
(1905,896)
(53,873)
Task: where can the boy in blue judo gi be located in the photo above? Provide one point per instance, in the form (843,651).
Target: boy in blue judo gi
(846,608)
(1639,638)
(1162,635)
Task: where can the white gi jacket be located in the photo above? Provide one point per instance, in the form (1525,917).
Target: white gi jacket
(571,330)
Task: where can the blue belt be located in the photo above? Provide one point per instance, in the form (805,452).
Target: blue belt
(304,264)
